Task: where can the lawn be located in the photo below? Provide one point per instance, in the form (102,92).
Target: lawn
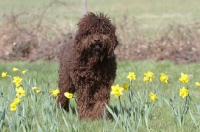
(38,112)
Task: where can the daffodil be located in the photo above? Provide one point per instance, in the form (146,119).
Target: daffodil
(145,79)
(55,92)
(15,69)
(126,86)
(68,95)
(148,76)
(37,91)
(34,88)
(3,74)
(20,92)
(24,71)
(153,97)
(197,84)
(17,84)
(163,78)
(184,92)
(184,78)
(117,90)
(13,107)
(131,76)
(17,81)
(17,101)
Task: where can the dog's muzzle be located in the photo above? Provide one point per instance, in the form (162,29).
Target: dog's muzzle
(96,48)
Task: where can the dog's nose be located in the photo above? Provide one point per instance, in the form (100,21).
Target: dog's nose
(96,39)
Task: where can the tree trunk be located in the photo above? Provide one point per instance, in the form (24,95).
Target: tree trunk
(84,7)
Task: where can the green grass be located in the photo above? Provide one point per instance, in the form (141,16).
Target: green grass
(161,118)
(37,71)
(151,15)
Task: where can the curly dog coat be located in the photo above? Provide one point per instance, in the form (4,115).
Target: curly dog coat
(88,66)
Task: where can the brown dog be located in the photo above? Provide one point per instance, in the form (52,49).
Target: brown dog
(88,66)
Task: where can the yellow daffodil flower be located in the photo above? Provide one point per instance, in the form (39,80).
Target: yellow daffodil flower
(38,91)
(148,76)
(197,84)
(153,97)
(24,71)
(17,101)
(17,84)
(17,80)
(184,92)
(184,78)
(3,74)
(117,90)
(20,92)
(163,78)
(15,69)
(55,92)
(131,76)
(126,86)
(34,88)
(13,107)
(68,95)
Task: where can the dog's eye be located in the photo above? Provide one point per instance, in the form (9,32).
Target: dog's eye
(88,33)
(103,31)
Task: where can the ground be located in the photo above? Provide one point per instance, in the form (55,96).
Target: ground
(26,48)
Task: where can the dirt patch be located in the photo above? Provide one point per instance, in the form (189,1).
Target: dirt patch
(188,53)
(177,43)
(27,49)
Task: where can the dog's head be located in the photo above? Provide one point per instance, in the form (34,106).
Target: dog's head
(96,36)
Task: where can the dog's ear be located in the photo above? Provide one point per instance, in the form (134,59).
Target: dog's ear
(85,22)
(112,47)
(116,43)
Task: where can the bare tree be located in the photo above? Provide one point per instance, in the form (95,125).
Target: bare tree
(84,7)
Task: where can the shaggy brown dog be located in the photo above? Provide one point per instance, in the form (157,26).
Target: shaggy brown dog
(88,66)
